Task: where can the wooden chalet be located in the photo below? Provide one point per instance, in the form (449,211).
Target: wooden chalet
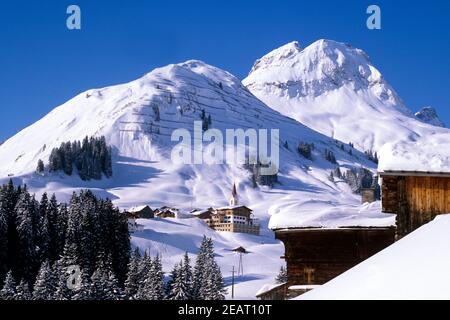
(166,212)
(141,212)
(317,255)
(415,197)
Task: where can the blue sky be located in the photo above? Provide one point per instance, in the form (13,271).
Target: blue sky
(43,64)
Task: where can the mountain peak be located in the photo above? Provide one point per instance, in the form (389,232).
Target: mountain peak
(335,89)
(323,61)
(322,67)
(275,56)
(430,116)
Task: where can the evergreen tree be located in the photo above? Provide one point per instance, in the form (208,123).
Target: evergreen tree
(91,158)
(23,291)
(99,284)
(331,177)
(3,239)
(45,285)
(26,259)
(85,290)
(199,270)
(176,286)
(305,149)
(338,173)
(208,280)
(69,259)
(329,156)
(134,276)
(187,275)
(154,283)
(180,284)
(145,267)
(9,288)
(212,287)
(282,276)
(209,120)
(113,290)
(40,167)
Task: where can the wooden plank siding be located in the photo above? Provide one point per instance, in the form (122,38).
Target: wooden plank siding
(315,256)
(415,199)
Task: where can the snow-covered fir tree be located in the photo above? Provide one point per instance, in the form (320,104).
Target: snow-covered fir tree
(282,276)
(208,280)
(40,168)
(26,255)
(23,291)
(134,276)
(85,289)
(8,291)
(145,267)
(154,284)
(45,285)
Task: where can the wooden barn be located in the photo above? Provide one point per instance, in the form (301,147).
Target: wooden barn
(317,255)
(415,197)
(166,212)
(141,212)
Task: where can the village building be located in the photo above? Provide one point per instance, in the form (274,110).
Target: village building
(166,212)
(272,292)
(415,197)
(314,256)
(233,218)
(415,181)
(140,212)
(320,246)
(414,268)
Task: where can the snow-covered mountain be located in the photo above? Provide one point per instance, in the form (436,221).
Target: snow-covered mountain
(334,88)
(430,116)
(138,118)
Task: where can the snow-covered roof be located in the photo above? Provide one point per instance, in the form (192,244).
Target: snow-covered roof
(304,287)
(200,212)
(430,153)
(138,208)
(319,215)
(415,267)
(268,287)
(233,207)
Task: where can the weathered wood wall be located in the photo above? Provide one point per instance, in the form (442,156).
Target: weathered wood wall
(415,199)
(329,252)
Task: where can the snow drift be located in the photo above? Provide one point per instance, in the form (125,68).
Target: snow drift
(416,268)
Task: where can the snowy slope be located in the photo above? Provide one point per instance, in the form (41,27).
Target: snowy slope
(416,267)
(171,238)
(137,119)
(335,89)
(143,171)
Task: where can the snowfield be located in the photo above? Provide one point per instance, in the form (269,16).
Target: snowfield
(171,238)
(414,268)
